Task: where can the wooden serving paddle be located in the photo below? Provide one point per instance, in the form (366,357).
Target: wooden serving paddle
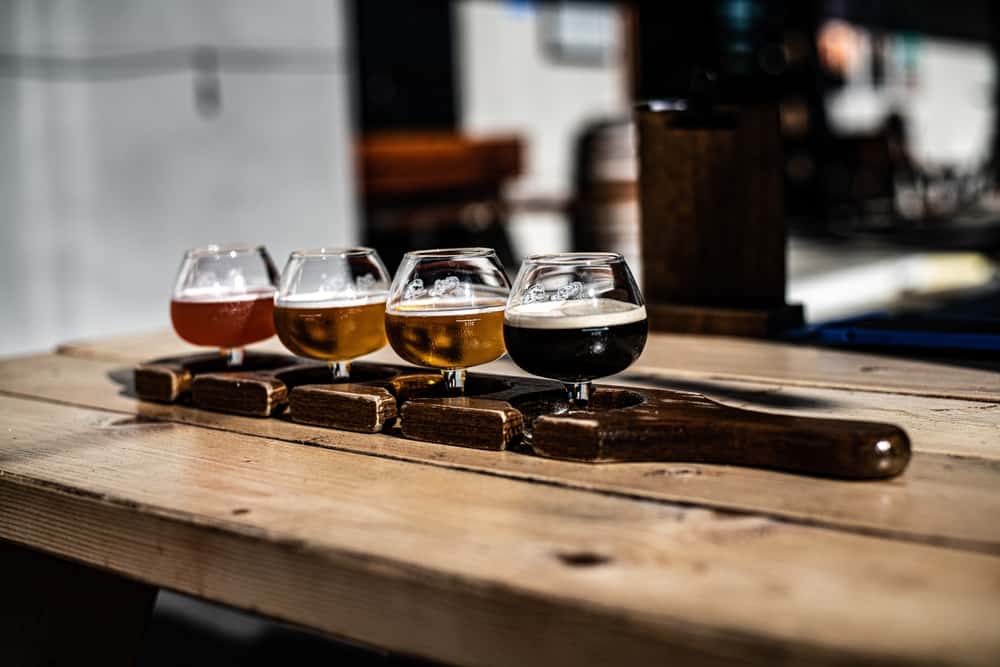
(673,426)
(169,379)
(528,414)
(267,392)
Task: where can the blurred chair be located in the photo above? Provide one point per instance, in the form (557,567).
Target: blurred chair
(436,189)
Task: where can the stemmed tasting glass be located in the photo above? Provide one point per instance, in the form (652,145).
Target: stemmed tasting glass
(224,297)
(575,317)
(331,305)
(445,310)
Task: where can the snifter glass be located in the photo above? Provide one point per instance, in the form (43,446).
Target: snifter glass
(224,297)
(445,310)
(331,305)
(575,317)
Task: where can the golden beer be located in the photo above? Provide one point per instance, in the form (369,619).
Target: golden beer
(446,339)
(334,331)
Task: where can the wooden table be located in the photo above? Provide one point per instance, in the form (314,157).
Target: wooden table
(479,557)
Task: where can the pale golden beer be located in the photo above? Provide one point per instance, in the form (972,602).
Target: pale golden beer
(332,331)
(446,339)
(445,310)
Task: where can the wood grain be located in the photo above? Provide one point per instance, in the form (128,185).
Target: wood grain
(479,423)
(681,357)
(349,406)
(804,366)
(475,569)
(240,393)
(713,227)
(941,499)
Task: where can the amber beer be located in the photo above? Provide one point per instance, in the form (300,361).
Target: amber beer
(446,338)
(575,341)
(226,321)
(332,330)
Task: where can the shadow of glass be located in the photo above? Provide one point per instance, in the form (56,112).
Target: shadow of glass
(773,397)
(185,631)
(125,379)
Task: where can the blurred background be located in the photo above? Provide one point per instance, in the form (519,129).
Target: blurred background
(133,129)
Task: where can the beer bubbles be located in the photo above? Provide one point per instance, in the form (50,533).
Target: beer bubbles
(445,310)
(575,317)
(224,297)
(331,305)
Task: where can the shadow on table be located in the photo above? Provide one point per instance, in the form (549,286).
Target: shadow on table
(773,397)
(183,631)
(124,377)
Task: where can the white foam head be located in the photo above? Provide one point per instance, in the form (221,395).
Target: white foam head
(457,306)
(326,300)
(217,294)
(574,314)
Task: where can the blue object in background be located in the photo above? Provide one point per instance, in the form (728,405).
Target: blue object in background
(912,331)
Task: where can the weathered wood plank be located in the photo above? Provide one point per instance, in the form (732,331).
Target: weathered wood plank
(945,426)
(145,346)
(682,356)
(942,499)
(802,366)
(471,568)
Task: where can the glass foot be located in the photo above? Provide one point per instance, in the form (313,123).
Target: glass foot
(454,380)
(579,394)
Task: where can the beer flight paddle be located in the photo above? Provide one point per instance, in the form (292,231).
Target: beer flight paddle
(569,318)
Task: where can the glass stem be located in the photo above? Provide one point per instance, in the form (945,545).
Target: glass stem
(454,379)
(341,370)
(234,356)
(579,394)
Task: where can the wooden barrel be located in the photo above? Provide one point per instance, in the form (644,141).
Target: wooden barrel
(606,201)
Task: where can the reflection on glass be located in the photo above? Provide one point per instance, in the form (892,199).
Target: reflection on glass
(445,310)
(331,305)
(224,298)
(575,317)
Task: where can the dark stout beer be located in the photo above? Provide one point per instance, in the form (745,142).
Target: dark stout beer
(575,341)
(446,339)
(333,330)
(204,317)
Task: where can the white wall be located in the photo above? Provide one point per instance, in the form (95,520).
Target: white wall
(104,183)
(509,85)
